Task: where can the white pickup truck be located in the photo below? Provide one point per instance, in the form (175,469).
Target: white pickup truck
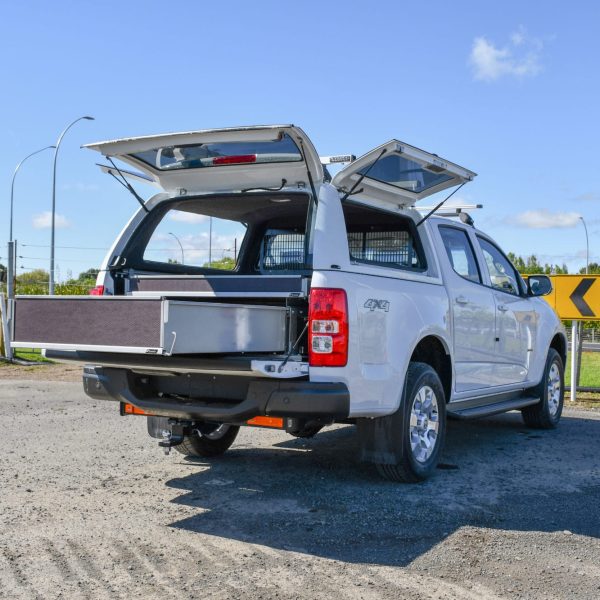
(345,305)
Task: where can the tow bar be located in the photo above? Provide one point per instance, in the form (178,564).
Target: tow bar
(171,437)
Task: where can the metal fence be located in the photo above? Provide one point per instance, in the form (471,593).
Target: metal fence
(588,335)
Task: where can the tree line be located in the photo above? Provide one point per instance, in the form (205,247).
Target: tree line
(36,281)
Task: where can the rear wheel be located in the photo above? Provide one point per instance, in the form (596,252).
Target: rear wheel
(212,443)
(551,391)
(421,420)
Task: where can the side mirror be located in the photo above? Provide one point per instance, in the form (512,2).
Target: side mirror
(538,285)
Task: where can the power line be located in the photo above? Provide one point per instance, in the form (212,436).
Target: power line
(60,260)
(68,247)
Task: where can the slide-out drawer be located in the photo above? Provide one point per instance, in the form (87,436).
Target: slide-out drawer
(146,325)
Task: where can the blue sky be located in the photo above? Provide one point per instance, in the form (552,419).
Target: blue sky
(505,89)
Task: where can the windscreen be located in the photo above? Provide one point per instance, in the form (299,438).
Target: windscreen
(219,154)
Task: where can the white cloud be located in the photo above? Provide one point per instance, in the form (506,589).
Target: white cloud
(186,217)
(44,221)
(519,36)
(519,58)
(545,219)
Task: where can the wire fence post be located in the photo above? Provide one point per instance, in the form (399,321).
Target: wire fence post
(5,328)
(574,331)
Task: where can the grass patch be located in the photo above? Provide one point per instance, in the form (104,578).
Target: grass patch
(590,370)
(31,354)
(585,400)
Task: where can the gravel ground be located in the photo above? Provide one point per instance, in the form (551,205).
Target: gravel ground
(90,508)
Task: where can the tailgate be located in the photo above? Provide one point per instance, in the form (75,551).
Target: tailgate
(139,325)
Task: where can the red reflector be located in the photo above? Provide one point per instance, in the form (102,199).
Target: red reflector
(275,422)
(328,328)
(234,160)
(130,409)
(97,291)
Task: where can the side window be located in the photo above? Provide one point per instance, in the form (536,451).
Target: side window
(502,274)
(381,238)
(460,253)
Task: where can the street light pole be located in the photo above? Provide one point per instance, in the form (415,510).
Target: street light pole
(587,247)
(577,329)
(12,187)
(182,255)
(53,226)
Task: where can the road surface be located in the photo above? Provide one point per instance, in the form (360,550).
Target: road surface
(90,508)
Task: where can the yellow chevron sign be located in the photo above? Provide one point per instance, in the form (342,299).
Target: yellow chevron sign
(575,297)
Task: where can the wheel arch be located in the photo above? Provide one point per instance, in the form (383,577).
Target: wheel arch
(434,351)
(559,343)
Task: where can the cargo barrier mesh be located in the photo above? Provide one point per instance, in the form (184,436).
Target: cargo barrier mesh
(381,247)
(282,252)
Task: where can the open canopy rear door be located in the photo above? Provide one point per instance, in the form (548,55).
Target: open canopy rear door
(400,174)
(221,160)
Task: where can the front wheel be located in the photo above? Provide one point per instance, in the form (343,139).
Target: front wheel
(212,443)
(551,391)
(420,426)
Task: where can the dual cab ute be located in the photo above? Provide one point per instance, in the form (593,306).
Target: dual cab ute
(345,304)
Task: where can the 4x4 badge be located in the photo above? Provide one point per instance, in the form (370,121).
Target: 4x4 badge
(373,304)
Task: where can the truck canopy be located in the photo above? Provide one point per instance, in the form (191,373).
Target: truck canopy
(214,160)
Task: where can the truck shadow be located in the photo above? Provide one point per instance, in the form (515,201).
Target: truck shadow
(313,496)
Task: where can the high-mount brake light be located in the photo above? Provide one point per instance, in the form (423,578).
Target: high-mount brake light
(97,291)
(328,328)
(234,160)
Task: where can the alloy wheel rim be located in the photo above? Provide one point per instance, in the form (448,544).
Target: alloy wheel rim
(424,424)
(553,389)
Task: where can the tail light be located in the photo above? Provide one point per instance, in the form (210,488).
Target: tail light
(328,328)
(97,291)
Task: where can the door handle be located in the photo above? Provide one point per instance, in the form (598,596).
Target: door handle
(461,300)
(502,307)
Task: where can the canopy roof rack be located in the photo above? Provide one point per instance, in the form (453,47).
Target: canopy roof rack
(449,211)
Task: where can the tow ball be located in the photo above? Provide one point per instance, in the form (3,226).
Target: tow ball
(171,432)
(171,437)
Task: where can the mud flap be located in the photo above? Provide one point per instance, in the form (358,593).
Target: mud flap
(381,439)
(156,425)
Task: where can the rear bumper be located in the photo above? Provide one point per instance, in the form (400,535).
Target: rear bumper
(279,398)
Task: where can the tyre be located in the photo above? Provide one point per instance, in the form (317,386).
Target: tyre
(419,426)
(307,430)
(551,391)
(205,445)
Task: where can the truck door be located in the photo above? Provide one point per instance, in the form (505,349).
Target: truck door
(516,318)
(473,313)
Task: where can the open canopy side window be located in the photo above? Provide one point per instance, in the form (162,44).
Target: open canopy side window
(399,173)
